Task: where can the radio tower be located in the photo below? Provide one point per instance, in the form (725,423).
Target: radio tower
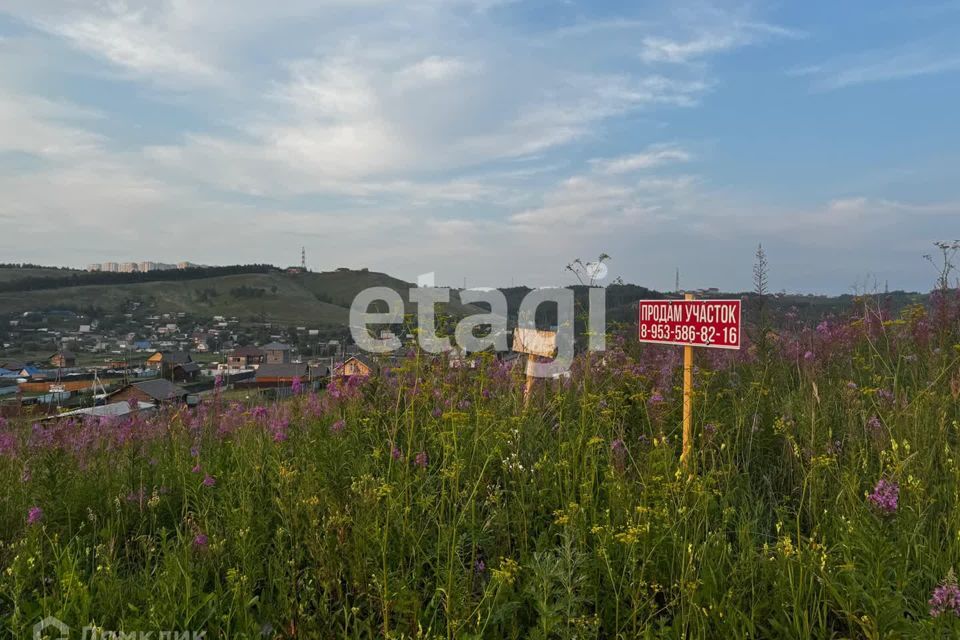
(303,258)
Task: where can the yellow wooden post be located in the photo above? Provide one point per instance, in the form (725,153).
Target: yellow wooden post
(685,455)
(528,387)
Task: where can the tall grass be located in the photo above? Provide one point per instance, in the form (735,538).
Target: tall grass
(427,503)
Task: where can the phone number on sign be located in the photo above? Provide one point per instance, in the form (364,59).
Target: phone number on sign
(687,333)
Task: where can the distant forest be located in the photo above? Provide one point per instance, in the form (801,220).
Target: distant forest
(86,278)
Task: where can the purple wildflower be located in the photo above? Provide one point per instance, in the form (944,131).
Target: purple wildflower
(875,426)
(421,460)
(945,597)
(396,454)
(808,356)
(200,541)
(196,468)
(297,386)
(852,385)
(479,566)
(338,426)
(656,398)
(34,515)
(209,481)
(437,412)
(885,496)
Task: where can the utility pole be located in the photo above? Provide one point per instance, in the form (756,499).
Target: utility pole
(676,287)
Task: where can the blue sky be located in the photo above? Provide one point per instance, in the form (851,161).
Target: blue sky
(493,140)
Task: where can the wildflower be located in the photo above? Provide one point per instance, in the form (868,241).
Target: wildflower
(885,496)
(808,356)
(709,430)
(200,541)
(852,385)
(196,468)
(421,460)
(946,597)
(875,426)
(209,481)
(338,426)
(396,453)
(656,398)
(218,383)
(297,386)
(437,412)
(34,515)
(479,567)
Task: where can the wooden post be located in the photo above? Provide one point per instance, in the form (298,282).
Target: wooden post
(687,404)
(528,387)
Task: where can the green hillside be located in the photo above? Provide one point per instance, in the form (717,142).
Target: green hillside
(288,298)
(11,273)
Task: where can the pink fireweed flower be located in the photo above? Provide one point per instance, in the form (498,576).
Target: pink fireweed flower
(34,515)
(209,481)
(297,386)
(196,468)
(885,496)
(338,426)
(945,597)
(421,460)
(200,541)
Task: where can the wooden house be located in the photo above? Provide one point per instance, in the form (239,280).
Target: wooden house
(63,360)
(355,366)
(157,391)
(245,358)
(276,353)
(166,362)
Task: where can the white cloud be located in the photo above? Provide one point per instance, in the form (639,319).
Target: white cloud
(433,69)
(907,61)
(655,156)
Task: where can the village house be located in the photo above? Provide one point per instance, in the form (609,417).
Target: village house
(276,353)
(282,373)
(245,358)
(156,392)
(166,362)
(186,372)
(63,360)
(355,366)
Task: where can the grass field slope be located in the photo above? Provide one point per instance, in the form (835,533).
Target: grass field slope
(428,502)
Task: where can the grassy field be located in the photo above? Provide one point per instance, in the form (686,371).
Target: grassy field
(428,503)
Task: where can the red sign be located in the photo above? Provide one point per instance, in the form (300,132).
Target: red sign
(698,323)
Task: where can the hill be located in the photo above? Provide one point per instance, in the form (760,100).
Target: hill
(288,298)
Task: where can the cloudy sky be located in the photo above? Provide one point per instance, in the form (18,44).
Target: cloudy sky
(492,140)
